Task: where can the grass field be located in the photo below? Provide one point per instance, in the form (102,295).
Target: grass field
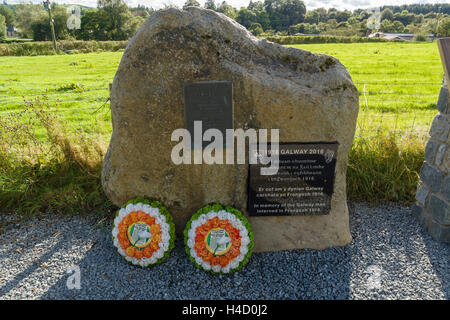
(401,82)
(77,85)
(398,83)
(49,164)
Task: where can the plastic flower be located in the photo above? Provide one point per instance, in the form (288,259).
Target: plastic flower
(218,239)
(143,232)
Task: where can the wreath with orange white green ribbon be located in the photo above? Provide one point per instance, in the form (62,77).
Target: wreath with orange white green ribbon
(143,232)
(218,239)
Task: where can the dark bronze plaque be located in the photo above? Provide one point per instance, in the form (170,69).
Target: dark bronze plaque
(211,103)
(302,186)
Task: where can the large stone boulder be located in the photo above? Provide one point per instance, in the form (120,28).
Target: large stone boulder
(309,97)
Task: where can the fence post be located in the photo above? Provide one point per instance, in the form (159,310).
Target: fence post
(444,50)
(365,98)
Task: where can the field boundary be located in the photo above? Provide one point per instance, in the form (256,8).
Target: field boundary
(326,39)
(36,48)
(368,97)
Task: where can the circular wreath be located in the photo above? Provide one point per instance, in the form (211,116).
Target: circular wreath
(143,232)
(218,239)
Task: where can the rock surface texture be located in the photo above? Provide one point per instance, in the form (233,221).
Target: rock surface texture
(432,207)
(309,97)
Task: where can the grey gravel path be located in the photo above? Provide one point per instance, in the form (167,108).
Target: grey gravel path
(391,257)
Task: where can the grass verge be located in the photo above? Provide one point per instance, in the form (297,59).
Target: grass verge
(61,174)
(383,168)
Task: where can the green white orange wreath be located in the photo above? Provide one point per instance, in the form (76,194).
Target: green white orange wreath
(218,239)
(143,232)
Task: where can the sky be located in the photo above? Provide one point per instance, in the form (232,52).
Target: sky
(310,4)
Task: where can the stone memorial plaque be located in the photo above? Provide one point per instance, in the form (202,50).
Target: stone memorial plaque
(271,102)
(211,103)
(302,186)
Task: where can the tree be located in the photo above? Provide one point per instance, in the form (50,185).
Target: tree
(342,16)
(363,15)
(284,13)
(210,4)
(322,14)
(312,17)
(430,15)
(386,25)
(90,26)
(111,21)
(191,3)
(418,18)
(246,17)
(397,26)
(410,28)
(332,13)
(227,10)
(2,27)
(332,23)
(115,20)
(26,14)
(352,21)
(41,27)
(255,6)
(387,14)
(142,11)
(322,27)
(433,25)
(303,28)
(405,17)
(10,18)
(421,8)
(256,29)
(263,19)
(342,24)
(443,28)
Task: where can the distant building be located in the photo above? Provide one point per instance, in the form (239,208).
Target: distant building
(13,32)
(306,34)
(397,36)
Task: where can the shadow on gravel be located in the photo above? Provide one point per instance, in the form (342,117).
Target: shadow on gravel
(440,266)
(396,259)
(32,268)
(298,274)
(391,257)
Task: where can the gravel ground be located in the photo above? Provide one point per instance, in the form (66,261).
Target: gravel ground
(391,257)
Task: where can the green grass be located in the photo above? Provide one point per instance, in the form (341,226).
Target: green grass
(54,165)
(387,73)
(401,82)
(60,173)
(15,40)
(402,107)
(78,84)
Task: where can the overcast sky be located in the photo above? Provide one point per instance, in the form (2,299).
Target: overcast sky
(310,4)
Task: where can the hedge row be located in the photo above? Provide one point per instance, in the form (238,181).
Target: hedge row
(67,46)
(324,39)
(77,46)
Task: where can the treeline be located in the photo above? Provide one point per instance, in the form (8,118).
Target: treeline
(419,8)
(289,17)
(113,20)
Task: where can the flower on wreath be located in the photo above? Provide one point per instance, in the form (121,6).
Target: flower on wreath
(143,232)
(218,239)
